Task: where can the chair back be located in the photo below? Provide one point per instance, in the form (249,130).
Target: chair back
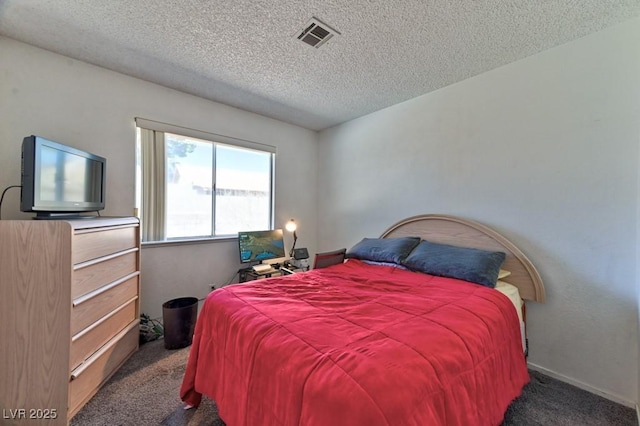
(322,260)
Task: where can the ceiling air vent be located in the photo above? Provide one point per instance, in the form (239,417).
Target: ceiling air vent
(316,33)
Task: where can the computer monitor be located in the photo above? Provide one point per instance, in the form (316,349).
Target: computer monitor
(256,246)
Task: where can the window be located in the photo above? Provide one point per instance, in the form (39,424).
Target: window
(193,187)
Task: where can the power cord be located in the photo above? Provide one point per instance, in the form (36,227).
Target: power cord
(150,328)
(232,278)
(213,286)
(2,197)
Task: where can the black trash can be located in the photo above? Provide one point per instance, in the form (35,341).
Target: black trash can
(179,320)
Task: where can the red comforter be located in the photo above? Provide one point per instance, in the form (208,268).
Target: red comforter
(356,344)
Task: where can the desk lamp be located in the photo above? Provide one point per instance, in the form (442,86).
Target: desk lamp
(299,257)
(291,227)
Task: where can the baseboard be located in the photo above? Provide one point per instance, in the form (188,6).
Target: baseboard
(584,386)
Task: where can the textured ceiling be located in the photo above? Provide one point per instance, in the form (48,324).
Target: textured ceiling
(243,53)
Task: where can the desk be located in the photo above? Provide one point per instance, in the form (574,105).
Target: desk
(248,274)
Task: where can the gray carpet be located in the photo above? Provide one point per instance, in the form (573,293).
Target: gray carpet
(145,392)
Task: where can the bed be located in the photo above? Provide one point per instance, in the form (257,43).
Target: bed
(368,342)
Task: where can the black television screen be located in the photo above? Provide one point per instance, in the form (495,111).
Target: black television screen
(256,246)
(60,179)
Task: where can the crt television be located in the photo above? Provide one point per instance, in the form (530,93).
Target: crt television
(256,246)
(60,180)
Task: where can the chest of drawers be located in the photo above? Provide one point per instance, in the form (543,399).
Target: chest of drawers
(69,312)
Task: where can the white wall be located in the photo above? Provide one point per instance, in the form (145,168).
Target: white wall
(544,150)
(92,108)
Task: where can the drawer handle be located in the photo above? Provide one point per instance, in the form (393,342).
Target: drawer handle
(103,319)
(97,354)
(104,258)
(80,230)
(104,288)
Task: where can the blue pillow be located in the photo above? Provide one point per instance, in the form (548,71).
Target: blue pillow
(383,249)
(469,264)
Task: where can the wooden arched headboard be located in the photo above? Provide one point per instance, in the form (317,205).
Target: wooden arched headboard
(461,232)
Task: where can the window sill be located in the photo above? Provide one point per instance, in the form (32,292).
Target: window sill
(188,241)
